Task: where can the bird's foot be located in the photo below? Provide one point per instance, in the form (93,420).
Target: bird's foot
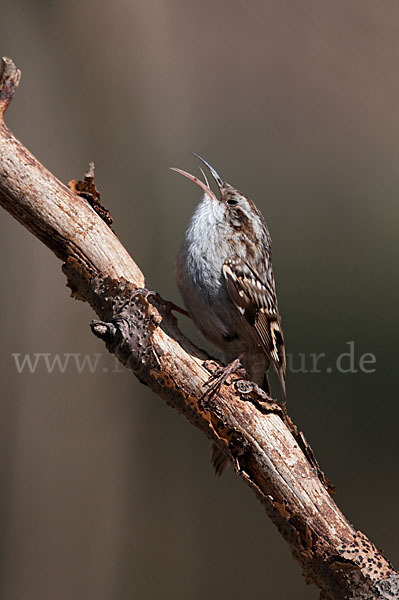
(168,304)
(217,379)
(171,306)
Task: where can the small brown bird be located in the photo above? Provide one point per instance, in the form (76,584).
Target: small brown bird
(224,274)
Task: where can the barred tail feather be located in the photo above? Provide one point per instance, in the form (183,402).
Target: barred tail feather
(281,376)
(218,459)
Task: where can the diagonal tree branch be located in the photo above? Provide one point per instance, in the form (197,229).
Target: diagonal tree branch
(255,433)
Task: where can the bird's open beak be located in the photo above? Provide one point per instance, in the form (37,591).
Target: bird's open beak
(202,185)
(215,174)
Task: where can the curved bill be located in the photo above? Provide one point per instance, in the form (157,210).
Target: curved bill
(205,177)
(202,185)
(215,174)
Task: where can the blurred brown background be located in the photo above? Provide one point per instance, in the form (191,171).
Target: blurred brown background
(105,492)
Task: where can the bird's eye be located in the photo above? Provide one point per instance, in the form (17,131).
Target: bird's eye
(232,202)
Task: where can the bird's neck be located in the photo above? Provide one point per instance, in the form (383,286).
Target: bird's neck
(205,242)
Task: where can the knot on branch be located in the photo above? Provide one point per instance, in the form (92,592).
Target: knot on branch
(128,334)
(9,80)
(104,331)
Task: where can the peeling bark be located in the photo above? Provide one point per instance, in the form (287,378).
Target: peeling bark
(256,434)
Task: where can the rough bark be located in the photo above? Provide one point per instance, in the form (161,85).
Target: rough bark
(256,434)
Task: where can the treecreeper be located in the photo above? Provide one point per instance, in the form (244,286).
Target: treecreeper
(224,274)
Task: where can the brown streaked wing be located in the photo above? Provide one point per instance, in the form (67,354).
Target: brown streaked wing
(256,301)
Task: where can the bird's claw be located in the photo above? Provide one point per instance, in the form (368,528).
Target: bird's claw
(217,380)
(168,304)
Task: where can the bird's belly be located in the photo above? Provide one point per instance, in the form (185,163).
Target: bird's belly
(206,298)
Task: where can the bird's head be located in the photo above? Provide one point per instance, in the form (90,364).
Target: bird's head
(238,208)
